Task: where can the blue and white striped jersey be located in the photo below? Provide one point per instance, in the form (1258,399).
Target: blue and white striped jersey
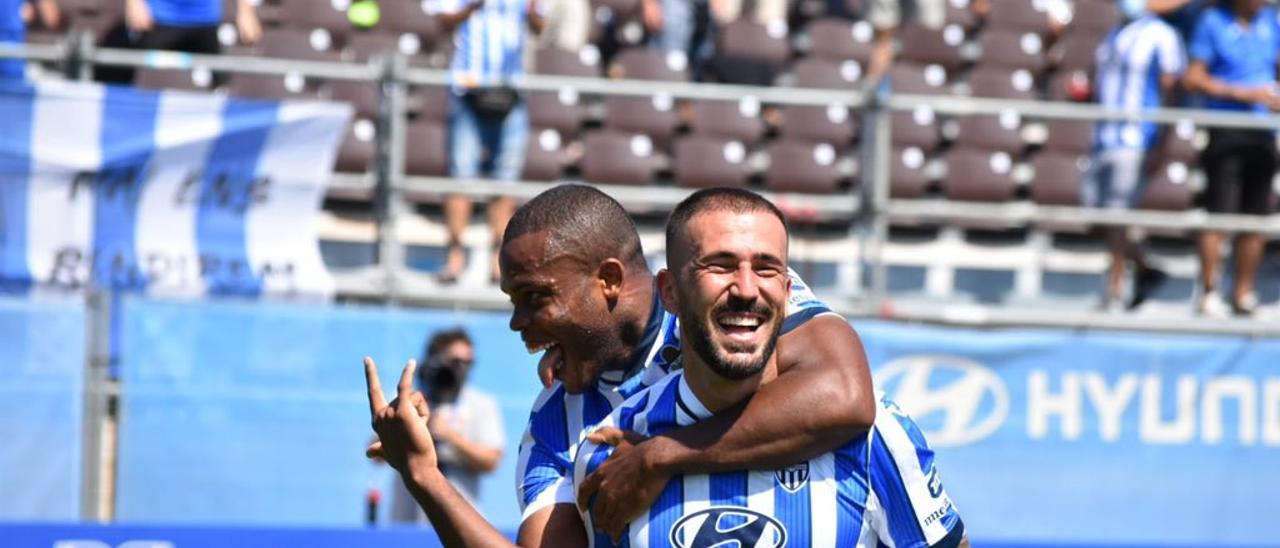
(1129,65)
(488,45)
(880,489)
(560,420)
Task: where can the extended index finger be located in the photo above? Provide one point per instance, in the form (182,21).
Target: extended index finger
(376,400)
(406,380)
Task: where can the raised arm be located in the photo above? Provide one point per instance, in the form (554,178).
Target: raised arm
(821,399)
(406,444)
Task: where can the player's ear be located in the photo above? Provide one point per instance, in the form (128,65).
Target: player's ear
(667,290)
(610,275)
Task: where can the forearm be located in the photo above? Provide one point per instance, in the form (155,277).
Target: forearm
(454,519)
(820,401)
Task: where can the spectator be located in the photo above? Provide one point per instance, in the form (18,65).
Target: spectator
(15,15)
(887,16)
(186,25)
(1233,64)
(466,423)
(1137,66)
(177,25)
(566,24)
(486,114)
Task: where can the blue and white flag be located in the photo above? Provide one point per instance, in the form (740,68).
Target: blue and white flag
(169,193)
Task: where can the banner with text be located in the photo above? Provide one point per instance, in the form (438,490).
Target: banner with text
(1090,437)
(172,193)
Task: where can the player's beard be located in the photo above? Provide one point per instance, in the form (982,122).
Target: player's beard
(731,361)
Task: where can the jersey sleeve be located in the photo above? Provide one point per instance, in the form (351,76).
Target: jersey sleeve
(914,508)
(803,304)
(543,469)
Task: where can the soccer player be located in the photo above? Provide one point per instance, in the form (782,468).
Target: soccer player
(727,280)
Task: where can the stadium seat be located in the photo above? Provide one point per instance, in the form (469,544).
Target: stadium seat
(994,132)
(1095,16)
(1002,83)
(1168,188)
(797,166)
(313,14)
(1057,178)
(562,111)
(925,46)
(363,46)
(426,149)
(702,161)
(915,128)
(432,102)
(1012,48)
(1069,136)
(817,72)
(199,79)
(908,175)
(979,175)
(960,13)
(650,64)
(362,96)
(269,86)
(738,120)
(584,63)
(1024,15)
(1179,144)
(656,116)
(914,79)
(304,44)
(612,157)
(834,124)
(545,155)
(749,53)
(401,17)
(838,39)
(356,153)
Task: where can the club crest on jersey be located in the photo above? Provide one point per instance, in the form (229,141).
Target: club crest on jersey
(935,483)
(793,477)
(724,526)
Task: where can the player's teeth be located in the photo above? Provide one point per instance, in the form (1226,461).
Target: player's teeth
(740,321)
(536,348)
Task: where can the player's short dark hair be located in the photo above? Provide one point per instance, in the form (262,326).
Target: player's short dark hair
(582,221)
(735,200)
(442,339)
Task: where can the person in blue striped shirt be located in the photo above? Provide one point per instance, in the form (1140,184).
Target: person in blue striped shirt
(488,120)
(1138,67)
(727,279)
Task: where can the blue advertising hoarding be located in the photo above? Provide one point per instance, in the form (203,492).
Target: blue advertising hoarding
(1089,437)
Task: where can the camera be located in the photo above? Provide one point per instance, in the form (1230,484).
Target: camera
(444,375)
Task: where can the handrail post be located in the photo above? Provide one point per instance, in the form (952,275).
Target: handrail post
(389,204)
(874,184)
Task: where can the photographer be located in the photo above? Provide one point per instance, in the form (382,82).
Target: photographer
(465,423)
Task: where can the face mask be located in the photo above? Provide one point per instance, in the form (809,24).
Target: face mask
(1133,9)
